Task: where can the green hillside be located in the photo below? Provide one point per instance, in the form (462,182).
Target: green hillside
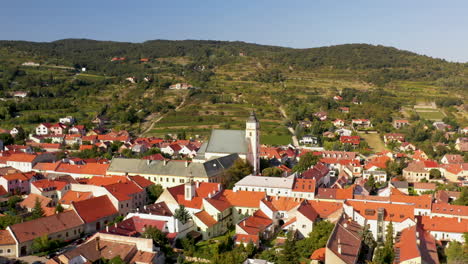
(234,78)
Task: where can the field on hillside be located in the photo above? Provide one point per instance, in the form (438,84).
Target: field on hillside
(374,141)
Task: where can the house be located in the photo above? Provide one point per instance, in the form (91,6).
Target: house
(52,189)
(66,226)
(308,139)
(29,203)
(188,150)
(423,187)
(67,120)
(131,250)
(118,59)
(19,148)
(445,228)
(16,130)
(95,213)
(394,137)
(171,149)
(378,175)
(17,183)
(337,98)
(344,109)
(361,123)
(344,244)
(353,140)
(57,129)
(20,94)
(43,129)
(415,245)
(322,116)
(378,215)
(77,129)
(338,122)
(415,172)
(344,132)
(406,146)
(452,159)
(399,123)
(441,126)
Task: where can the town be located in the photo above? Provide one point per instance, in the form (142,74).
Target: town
(77,194)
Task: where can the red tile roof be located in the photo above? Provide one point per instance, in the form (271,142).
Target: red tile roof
(22,157)
(135,225)
(141,181)
(124,191)
(318,254)
(450,209)
(203,191)
(95,208)
(443,224)
(392,212)
(6,238)
(324,208)
(30,230)
(355,140)
(256,223)
(242,238)
(16,176)
(206,218)
(74,196)
(44,184)
(422,202)
(87,169)
(304,185)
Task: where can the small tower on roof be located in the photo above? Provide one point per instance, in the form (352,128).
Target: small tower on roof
(189,188)
(252,134)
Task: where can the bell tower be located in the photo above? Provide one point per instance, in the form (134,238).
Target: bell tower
(252,134)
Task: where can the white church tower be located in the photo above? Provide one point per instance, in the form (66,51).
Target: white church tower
(252,134)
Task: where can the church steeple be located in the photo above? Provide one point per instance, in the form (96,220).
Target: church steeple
(252,134)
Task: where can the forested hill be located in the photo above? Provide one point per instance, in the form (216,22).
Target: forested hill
(95,54)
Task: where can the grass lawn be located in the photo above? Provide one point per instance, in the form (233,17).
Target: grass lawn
(275,139)
(374,141)
(432,115)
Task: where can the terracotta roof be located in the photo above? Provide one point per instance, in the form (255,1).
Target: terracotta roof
(48,185)
(424,185)
(338,194)
(422,201)
(206,218)
(256,223)
(46,166)
(442,208)
(30,230)
(407,248)
(95,208)
(443,224)
(123,191)
(156,156)
(242,238)
(416,166)
(379,162)
(392,212)
(16,176)
(88,169)
(143,257)
(134,226)
(454,158)
(74,196)
(346,236)
(308,211)
(304,185)
(324,209)
(30,201)
(355,140)
(318,254)
(141,181)
(203,190)
(160,208)
(22,157)
(6,238)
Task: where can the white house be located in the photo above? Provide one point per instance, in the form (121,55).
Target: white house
(43,129)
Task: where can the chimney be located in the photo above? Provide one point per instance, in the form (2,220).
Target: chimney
(459,219)
(164,162)
(148,162)
(107,229)
(339,248)
(115,225)
(198,184)
(186,163)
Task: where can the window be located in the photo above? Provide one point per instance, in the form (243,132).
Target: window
(8,250)
(1,251)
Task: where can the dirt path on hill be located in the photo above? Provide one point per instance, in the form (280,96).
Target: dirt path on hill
(160,117)
(294,138)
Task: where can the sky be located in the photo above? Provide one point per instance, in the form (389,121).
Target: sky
(430,27)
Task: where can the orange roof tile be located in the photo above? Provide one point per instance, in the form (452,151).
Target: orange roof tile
(74,196)
(6,238)
(22,157)
(422,202)
(318,254)
(304,185)
(443,224)
(450,209)
(95,208)
(207,219)
(392,212)
(44,184)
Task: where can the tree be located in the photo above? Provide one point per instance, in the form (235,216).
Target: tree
(317,238)
(367,237)
(435,174)
(272,172)
(8,220)
(158,237)
(370,183)
(59,208)
(288,254)
(154,191)
(44,243)
(37,211)
(236,172)
(307,160)
(182,214)
(250,249)
(463,199)
(456,252)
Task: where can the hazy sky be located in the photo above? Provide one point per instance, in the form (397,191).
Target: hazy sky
(431,27)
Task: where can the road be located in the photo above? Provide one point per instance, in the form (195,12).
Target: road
(163,115)
(294,138)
